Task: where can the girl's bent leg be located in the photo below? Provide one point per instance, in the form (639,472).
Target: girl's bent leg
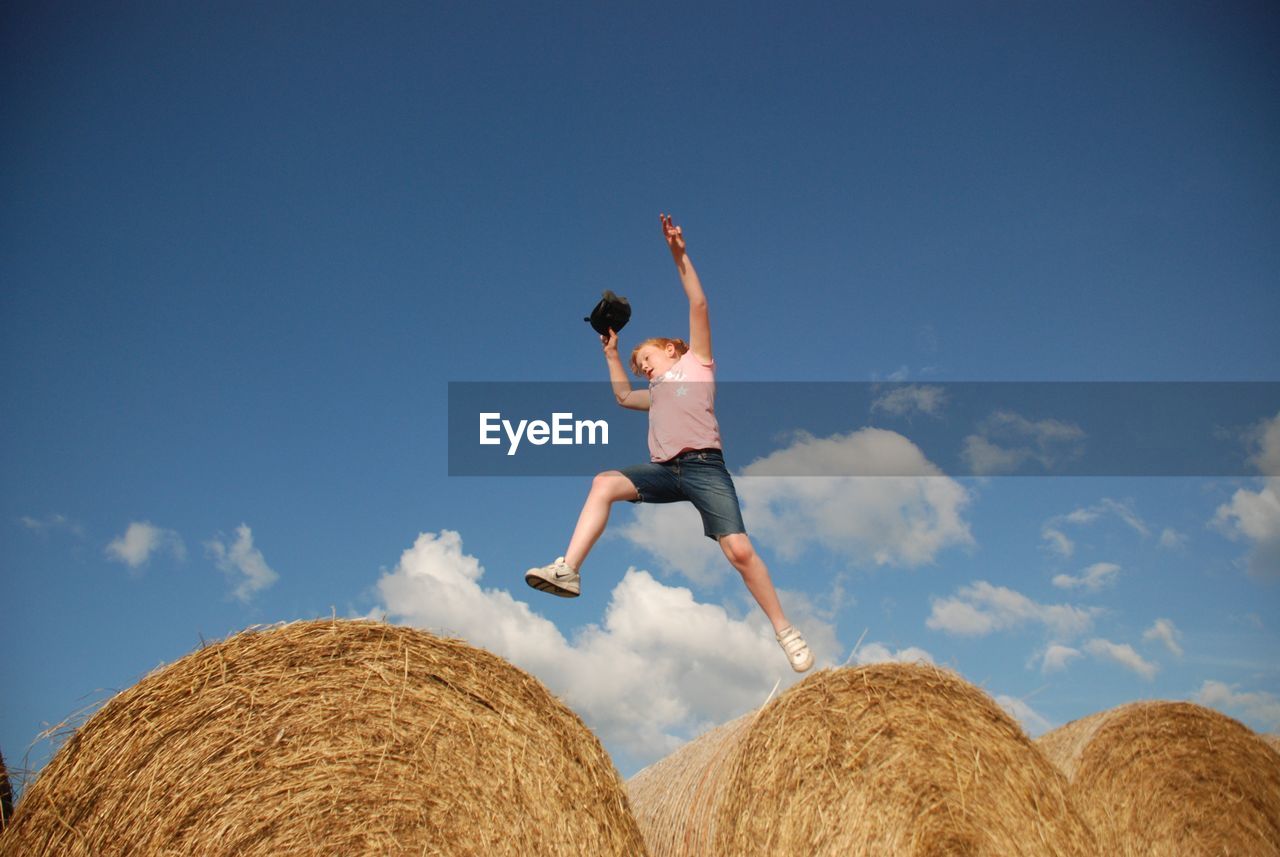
(742,554)
(606,489)
(737,547)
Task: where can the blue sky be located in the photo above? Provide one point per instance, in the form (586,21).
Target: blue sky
(246,247)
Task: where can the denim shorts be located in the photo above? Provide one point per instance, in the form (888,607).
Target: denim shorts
(698,476)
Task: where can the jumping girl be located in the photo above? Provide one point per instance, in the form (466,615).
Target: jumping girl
(686,461)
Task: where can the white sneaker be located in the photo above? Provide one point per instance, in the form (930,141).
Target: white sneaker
(796,648)
(559,578)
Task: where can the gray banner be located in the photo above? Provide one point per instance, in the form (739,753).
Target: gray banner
(879,429)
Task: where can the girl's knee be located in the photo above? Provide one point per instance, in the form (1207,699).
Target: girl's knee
(613,485)
(737,548)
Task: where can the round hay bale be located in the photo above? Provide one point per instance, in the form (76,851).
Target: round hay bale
(901,759)
(1171,778)
(329,737)
(6,795)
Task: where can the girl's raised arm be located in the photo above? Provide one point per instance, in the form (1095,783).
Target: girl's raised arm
(699,320)
(637,400)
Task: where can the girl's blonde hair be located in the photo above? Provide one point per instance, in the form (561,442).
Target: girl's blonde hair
(660,341)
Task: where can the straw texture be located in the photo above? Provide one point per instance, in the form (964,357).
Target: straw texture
(676,800)
(1272,739)
(901,759)
(6,795)
(1157,778)
(329,737)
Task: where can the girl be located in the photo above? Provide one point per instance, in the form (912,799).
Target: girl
(686,462)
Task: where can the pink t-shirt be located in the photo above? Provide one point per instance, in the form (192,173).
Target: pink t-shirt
(682,409)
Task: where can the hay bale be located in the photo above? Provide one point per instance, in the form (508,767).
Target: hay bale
(6,795)
(675,800)
(329,737)
(1272,739)
(1171,778)
(901,759)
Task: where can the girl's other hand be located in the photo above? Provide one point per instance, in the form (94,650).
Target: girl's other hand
(674,236)
(610,344)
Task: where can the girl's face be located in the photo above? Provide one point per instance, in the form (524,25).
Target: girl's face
(654,361)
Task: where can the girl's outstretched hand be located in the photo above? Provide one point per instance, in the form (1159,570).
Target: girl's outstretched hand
(675,238)
(610,344)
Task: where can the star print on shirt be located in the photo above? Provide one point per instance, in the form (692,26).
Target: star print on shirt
(682,391)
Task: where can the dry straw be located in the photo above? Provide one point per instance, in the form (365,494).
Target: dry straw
(329,737)
(889,759)
(1157,778)
(6,795)
(1272,739)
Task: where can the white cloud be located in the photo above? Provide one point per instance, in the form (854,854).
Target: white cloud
(672,534)
(912,399)
(1172,539)
(1058,541)
(1081,516)
(986,458)
(1097,576)
(898,375)
(1124,511)
(879,653)
(956,616)
(1265,438)
(1057,657)
(1262,709)
(1122,654)
(241,559)
(1106,506)
(1164,631)
(1006,440)
(981,608)
(660,668)
(790,506)
(141,541)
(1255,517)
(51,523)
(1032,721)
(865,452)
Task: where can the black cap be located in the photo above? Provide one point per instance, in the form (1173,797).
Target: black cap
(612,312)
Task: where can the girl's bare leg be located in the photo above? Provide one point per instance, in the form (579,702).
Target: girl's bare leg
(742,554)
(606,489)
